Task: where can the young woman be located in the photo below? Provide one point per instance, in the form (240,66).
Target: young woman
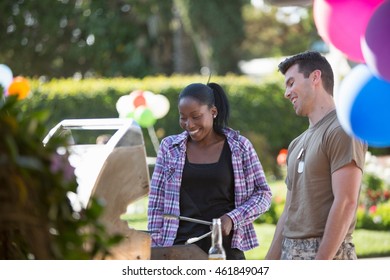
(208,171)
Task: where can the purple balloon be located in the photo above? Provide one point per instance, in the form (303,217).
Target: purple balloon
(376,42)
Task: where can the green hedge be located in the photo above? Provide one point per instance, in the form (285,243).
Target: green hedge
(258,110)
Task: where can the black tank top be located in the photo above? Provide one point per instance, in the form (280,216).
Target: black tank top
(207,192)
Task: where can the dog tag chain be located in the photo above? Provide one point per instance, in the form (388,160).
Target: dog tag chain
(301,155)
(301,163)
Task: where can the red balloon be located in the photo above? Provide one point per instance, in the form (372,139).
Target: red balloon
(138,98)
(139,101)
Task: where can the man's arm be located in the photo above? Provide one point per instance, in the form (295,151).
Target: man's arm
(345,185)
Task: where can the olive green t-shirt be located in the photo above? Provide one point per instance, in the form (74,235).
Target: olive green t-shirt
(327,148)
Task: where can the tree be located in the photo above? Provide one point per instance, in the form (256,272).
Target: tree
(216,28)
(82,38)
(101,38)
(268,34)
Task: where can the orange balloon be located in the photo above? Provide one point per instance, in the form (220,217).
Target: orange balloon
(20,87)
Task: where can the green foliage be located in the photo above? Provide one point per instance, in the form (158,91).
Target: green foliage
(259,111)
(373,182)
(373,214)
(278,189)
(217,39)
(121,38)
(36,217)
(101,38)
(374,202)
(376,218)
(263,30)
(382,215)
(374,191)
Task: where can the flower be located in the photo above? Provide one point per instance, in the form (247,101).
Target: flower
(60,164)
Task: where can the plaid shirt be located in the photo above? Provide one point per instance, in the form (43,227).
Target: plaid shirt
(252,193)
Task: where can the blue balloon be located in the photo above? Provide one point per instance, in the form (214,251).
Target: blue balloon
(363,106)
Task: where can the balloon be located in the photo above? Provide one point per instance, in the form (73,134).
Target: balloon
(124,106)
(363,106)
(144,116)
(130,115)
(137,98)
(20,87)
(376,42)
(6,76)
(159,105)
(148,96)
(343,23)
(139,101)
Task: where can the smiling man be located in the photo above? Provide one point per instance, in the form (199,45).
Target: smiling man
(324,169)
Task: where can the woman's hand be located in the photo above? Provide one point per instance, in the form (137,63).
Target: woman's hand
(227,225)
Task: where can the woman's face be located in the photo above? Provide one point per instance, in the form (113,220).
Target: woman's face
(196,118)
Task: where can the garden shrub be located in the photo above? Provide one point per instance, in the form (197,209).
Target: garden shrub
(37,220)
(258,111)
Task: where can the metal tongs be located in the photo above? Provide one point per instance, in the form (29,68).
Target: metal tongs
(170,216)
(193,239)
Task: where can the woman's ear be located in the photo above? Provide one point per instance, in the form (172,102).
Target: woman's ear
(214,112)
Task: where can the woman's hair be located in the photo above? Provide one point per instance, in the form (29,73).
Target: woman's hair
(211,95)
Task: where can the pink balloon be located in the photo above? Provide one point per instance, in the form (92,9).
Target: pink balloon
(343,23)
(376,43)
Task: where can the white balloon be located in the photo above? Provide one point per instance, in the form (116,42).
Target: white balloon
(6,76)
(149,99)
(159,105)
(124,105)
(348,91)
(148,95)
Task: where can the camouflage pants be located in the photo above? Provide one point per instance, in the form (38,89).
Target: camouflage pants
(306,249)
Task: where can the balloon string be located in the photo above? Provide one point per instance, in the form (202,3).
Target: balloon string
(208,81)
(153,137)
